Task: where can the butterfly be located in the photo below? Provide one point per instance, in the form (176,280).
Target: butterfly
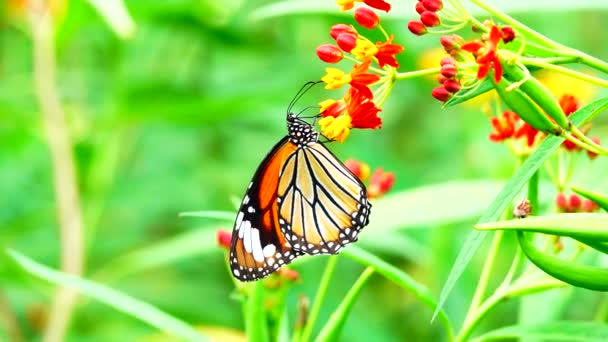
(301,200)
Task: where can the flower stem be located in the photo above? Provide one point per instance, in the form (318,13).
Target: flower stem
(579,134)
(319,297)
(563,70)
(583,145)
(386,36)
(417,73)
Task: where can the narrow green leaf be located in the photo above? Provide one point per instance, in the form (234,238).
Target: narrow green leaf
(569,331)
(580,225)
(400,278)
(117,16)
(600,199)
(485,86)
(331,331)
(508,192)
(597,245)
(138,309)
(256,324)
(592,278)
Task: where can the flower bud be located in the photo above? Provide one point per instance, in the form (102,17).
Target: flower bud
(441,79)
(420,7)
(432,5)
(507,34)
(590,154)
(451,42)
(449,70)
(224,238)
(366,17)
(574,203)
(347,41)
(338,29)
(589,206)
(570,146)
(329,53)
(447,60)
(452,86)
(416,27)
(568,103)
(361,170)
(429,19)
(561,202)
(441,94)
(380,183)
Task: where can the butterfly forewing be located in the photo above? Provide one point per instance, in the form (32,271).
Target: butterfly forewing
(258,247)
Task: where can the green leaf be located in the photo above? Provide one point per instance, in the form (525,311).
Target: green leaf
(592,278)
(406,10)
(212,214)
(256,325)
(600,199)
(331,331)
(115,13)
(136,308)
(597,245)
(483,88)
(508,192)
(570,331)
(580,225)
(400,278)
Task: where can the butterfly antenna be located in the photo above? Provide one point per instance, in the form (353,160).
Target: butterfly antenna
(305,109)
(306,87)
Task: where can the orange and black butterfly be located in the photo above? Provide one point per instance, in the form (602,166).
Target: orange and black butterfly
(301,200)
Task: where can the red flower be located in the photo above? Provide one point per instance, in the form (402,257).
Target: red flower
(329,53)
(417,27)
(528,131)
(593,155)
(387,51)
(224,238)
(432,5)
(361,79)
(380,183)
(378,4)
(504,126)
(441,93)
(338,29)
(568,103)
(429,19)
(363,112)
(359,169)
(366,17)
(485,54)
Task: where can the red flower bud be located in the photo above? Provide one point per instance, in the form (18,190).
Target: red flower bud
(570,146)
(366,17)
(347,41)
(380,183)
(449,70)
(452,86)
(223,238)
(574,203)
(441,94)
(589,206)
(329,53)
(420,7)
(432,5)
(338,29)
(590,154)
(441,79)
(429,19)
(416,27)
(451,42)
(561,202)
(507,34)
(361,170)
(447,60)
(568,103)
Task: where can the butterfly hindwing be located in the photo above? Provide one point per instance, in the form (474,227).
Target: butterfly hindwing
(258,247)
(322,205)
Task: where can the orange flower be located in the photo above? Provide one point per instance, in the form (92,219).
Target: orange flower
(380,183)
(485,54)
(504,126)
(358,78)
(387,51)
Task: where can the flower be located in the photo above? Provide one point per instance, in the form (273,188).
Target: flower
(346,5)
(332,107)
(336,128)
(507,34)
(359,169)
(451,43)
(380,183)
(429,19)
(569,204)
(347,41)
(504,126)
(366,17)
(335,78)
(417,27)
(593,155)
(338,29)
(329,53)
(452,86)
(441,93)
(528,131)
(589,206)
(432,5)
(224,238)
(485,54)
(568,103)
(387,51)
(364,49)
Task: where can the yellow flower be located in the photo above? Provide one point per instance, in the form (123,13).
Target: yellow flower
(325,104)
(335,78)
(364,49)
(336,128)
(345,5)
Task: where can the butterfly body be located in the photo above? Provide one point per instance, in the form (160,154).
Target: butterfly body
(302,200)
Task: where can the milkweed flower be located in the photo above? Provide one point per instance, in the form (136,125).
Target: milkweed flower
(504,126)
(335,78)
(364,49)
(387,51)
(224,238)
(346,5)
(380,183)
(359,169)
(485,52)
(358,78)
(336,128)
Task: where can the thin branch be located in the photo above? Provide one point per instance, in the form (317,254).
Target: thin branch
(64,174)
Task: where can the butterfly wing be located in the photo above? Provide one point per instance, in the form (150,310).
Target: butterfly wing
(322,205)
(258,247)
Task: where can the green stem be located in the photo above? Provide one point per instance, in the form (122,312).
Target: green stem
(579,134)
(485,276)
(417,73)
(533,193)
(565,71)
(591,61)
(386,36)
(582,144)
(319,297)
(519,289)
(517,260)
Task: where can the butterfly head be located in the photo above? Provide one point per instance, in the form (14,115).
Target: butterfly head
(300,132)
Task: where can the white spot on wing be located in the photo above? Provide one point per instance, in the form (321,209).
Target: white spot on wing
(239,220)
(247,236)
(269,250)
(258,255)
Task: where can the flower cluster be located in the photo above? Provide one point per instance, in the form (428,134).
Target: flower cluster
(449,85)
(380,181)
(574,203)
(428,16)
(359,107)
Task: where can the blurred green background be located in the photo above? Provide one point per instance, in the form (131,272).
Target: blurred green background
(177,117)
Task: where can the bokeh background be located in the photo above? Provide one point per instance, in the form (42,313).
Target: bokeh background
(177,117)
